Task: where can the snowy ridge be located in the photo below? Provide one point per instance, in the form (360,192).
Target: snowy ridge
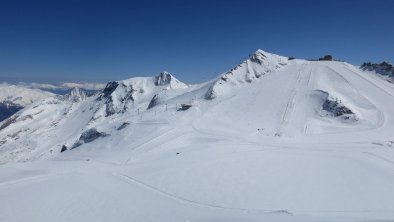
(259,64)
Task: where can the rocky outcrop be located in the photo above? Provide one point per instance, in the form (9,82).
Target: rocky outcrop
(384,68)
(154,101)
(336,108)
(167,80)
(89,136)
(164,78)
(116,97)
(77,95)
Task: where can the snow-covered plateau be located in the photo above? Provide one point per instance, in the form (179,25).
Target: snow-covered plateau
(272,139)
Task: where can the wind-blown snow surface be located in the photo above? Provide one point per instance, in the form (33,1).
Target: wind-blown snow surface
(279,141)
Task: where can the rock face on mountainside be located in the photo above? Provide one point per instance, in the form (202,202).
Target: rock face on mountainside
(258,64)
(336,109)
(78,94)
(386,69)
(89,136)
(117,97)
(167,80)
(154,101)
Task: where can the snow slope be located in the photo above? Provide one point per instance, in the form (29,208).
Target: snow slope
(273,140)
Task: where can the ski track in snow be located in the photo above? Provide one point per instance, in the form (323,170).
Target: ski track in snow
(188,201)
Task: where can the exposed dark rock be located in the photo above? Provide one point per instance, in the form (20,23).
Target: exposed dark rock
(78,94)
(336,108)
(124,97)
(154,101)
(164,78)
(124,125)
(64,148)
(291,58)
(108,90)
(210,94)
(258,57)
(89,136)
(184,107)
(111,109)
(384,68)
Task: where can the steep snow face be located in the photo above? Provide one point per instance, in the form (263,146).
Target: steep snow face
(259,64)
(305,141)
(20,95)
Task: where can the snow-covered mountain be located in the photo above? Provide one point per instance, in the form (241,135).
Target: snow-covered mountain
(13,98)
(271,140)
(63,88)
(20,95)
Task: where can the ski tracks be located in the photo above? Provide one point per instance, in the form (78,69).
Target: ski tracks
(184,201)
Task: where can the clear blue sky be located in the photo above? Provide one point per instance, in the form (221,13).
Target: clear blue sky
(55,41)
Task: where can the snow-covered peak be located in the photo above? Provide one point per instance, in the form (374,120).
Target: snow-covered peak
(166,79)
(77,94)
(257,65)
(264,58)
(120,96)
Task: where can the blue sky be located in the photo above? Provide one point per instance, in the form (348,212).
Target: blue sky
(98,41)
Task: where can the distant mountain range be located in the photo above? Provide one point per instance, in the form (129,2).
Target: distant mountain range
(14,97)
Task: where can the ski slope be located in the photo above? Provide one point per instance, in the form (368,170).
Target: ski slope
(257,144)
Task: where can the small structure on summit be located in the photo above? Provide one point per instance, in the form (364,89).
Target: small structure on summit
(326,58)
